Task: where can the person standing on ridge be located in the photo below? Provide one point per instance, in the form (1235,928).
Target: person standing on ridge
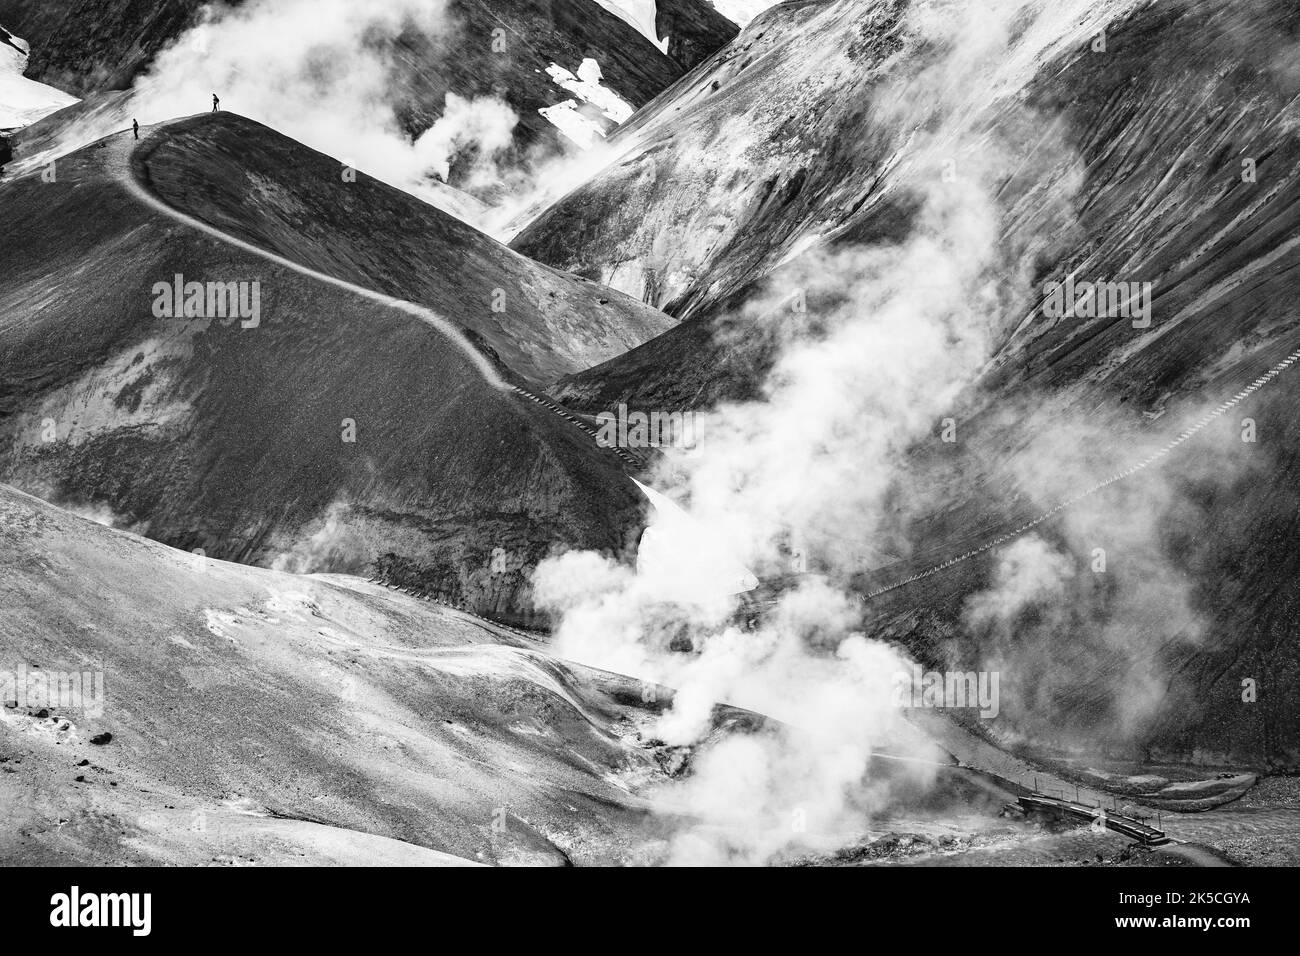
(216,103)
(135,128)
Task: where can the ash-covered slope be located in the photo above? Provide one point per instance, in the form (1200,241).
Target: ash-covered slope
(1186,178)
(339,433)
(259,717)
(232,715)
(474,48)
(721,176)
(694,30)
(1167,157)
(264,188)
(82,46)
(533,35)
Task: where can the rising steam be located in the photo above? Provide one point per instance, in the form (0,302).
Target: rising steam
(891,337)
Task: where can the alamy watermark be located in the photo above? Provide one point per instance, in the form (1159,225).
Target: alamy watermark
(954,690)
(627,429)
(35,688)
(1098,300)
(227,301)
(77,909)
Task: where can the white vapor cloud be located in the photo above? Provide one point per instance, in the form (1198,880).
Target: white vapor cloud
(891,337)
(320,71)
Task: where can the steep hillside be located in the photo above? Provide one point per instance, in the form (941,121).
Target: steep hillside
(72,128)
(234,174)
(1165,159)
(236,716)
(724,174)
(695,31)
(247,716)
(1163,126)
(22,101)
(342,432)
(83,46)
(474,48)
(536,34)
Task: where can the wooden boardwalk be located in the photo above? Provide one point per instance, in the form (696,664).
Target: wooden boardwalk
(1129,826)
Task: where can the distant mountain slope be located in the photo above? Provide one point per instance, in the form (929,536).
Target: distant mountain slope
(258,717)
(233,715)
(483,47)
(725,173)
(1168,158)
(695,30)
(742,11)
(267,189)
(82,46)
(213,436)
(535,34)
(22,101)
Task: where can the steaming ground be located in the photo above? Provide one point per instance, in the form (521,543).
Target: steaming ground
(848,307)
(852,208)
(260,718)
(270,719)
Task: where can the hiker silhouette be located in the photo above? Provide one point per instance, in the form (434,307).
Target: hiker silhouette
(216,103)
(135,128)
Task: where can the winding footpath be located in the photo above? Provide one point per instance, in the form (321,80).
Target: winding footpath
(447,329)
(122,166)
(426,315)
(490,374)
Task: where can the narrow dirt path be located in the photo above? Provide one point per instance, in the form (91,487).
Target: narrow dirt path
(120,164)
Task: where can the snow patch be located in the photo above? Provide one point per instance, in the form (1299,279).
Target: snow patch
(8,40)
(640,14)
(588,87)
(740,12)
(577,128)
(682,561)
(23,101)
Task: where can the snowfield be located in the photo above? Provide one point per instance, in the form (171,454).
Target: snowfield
(587,86)
(640,14)
(23,101)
